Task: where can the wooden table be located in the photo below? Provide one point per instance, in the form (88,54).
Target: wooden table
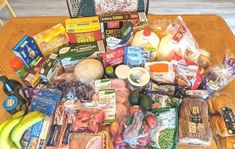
(211,32)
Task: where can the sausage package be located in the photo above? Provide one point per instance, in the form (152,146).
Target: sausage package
(194,126)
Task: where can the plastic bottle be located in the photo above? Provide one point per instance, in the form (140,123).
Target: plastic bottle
(17,64)
(147,40)
(13,87)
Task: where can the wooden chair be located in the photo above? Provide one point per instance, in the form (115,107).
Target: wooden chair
(4,3)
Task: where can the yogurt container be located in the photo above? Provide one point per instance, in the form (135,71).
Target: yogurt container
(138,78)
(122,71)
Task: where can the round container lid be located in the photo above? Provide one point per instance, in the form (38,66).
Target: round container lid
(10,103)
(122,71)
(16,63)
(138,76)
(109,70)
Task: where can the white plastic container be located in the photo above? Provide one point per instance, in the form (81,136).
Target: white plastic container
(147,40)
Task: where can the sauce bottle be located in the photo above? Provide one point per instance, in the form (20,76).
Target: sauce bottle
(13,87)
(17,64)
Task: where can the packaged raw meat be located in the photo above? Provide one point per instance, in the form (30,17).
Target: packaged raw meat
(194,126)
(165,134)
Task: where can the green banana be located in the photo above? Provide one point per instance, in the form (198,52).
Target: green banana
(5,142)
(26,122)
(18,114)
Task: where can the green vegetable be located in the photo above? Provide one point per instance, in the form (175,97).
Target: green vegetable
(166,139)
(134,98)
(146,102)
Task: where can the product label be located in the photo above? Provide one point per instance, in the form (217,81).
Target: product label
(229,119)
(113,57)
(195,124)
(108,98)
(102,84)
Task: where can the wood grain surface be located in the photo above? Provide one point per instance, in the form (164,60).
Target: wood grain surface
(211,32)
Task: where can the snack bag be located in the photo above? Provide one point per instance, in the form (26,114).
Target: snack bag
(187,72)
(220,75)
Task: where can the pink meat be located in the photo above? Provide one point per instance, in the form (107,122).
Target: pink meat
(122,95)
(118,84)
(121,111)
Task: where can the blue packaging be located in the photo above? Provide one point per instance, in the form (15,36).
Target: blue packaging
(28,51)
(45,101)
(136,56)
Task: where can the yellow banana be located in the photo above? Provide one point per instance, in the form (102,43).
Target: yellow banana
(5,142)
(26,122)
(18,114)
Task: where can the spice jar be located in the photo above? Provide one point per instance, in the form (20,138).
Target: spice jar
(17,64)
(204,58)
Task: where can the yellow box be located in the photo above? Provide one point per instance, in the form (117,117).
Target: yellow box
(81,25)
(51,39)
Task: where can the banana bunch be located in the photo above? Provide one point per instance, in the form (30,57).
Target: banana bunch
(12,130)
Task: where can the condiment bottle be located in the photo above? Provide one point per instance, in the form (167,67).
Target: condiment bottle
(147,40)
(109,72)
(17,64)
(13,87)
(12,104)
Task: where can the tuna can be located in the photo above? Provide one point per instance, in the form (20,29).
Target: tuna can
(138,78)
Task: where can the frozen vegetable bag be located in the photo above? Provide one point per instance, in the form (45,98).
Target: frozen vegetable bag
(194,122)
(79,8)
(165,134)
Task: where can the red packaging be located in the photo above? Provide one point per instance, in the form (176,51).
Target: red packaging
(113,57)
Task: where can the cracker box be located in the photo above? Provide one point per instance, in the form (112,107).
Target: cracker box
(28,51)
(45,101)
(51,39)
(51,69)
(71,55)
(84,29)
(32,77)
(111,24)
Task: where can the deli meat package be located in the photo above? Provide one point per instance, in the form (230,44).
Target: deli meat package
(194,127)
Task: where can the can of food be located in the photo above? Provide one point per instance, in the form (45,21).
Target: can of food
(11,104)
(122,71)
(138,78)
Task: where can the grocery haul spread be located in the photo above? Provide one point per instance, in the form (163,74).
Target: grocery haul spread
(110,78)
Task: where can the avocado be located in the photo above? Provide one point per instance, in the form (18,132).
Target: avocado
(134,98)
(146,102)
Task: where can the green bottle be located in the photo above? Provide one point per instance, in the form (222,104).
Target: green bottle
(13,87)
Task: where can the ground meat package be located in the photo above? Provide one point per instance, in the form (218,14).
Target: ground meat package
(194,126)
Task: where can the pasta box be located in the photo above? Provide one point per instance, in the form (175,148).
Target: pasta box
(84,29)
(28,51)
(50,39)
(71,55)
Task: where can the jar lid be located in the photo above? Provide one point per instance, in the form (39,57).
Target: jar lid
(122,71)
(147,32)
(16,63)
(204,53)
(10,103)
(109,70)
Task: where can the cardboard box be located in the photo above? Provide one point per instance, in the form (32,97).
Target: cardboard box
(33,78)
(45,101)
(84,29)
(28,51)
(71,55)
(51,39)
(51,69)
(111,24)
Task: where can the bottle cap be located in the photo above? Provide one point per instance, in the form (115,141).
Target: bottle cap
(10,103)
(16,63)
(147,32)
(109,70)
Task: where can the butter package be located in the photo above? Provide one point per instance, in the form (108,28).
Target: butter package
(33,78)
(45,101)
(51,69)
(113,57)
(28,51)
(85,29)
(51,39)
(71,55)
